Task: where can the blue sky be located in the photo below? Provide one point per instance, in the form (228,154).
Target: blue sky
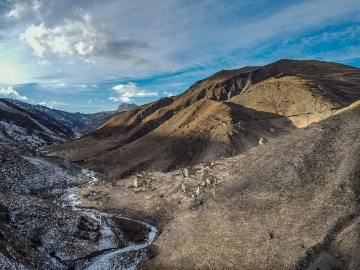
(92,55)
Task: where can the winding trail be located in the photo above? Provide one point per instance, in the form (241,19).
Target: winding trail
(113,259)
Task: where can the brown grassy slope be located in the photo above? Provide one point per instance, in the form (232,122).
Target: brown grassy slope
(218,117)
(282,205)
(205,131)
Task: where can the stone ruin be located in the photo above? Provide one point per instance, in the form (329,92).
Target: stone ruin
(197,180)
(186,172)
(137,182)
(142,181)
(262,141)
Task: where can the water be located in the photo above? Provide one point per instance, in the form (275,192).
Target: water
(123,258)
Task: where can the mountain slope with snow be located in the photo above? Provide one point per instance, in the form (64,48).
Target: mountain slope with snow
(79,122)
(19,126)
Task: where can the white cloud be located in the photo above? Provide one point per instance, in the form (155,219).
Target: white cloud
(95,86)
(122,99)
(52,103)
(33,35)
(44,62)
(81,36)
(130,90)
(61,85)
(24,9)
(169,94)
(123,88)
(11,93)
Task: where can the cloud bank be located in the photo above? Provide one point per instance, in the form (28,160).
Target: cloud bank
(127,91)
(84,38)
(52,103)
(9,92)
(160,44)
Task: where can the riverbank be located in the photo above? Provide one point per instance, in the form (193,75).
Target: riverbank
(137,235)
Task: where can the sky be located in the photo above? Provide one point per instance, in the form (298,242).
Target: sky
(92,55)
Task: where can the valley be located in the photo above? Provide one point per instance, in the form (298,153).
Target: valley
(253,168)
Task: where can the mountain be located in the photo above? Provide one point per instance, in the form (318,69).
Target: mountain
(39,228)
(288,201)
(254,168)
(123,107)
(292,203)
(224,115)
(23,128)
(79,122)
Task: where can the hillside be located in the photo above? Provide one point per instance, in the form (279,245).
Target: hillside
(24,169)
(221,116)
(21,128)
(80,122)
(292,203)
(254,168)
(39,227)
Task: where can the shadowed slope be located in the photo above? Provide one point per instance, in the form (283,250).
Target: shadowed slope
(22,129)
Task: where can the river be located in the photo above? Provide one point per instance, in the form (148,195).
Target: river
(125,258)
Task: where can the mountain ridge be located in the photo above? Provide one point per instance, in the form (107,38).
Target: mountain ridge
(83,122)
(292,93)
(25,129)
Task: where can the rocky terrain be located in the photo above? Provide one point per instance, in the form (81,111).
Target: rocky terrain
(291,203)
(254,168)
(22,128)
(40,226)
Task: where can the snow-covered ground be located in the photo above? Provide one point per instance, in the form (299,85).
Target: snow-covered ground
(115,260)
(42,176)
(22,135)
(53,230)
(120,258)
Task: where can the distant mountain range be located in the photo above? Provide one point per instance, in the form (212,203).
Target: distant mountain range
(77,120)
(27,125)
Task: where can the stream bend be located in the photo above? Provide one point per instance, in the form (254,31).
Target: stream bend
(108,259)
